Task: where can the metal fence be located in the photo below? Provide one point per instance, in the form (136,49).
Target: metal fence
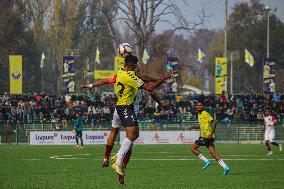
(18,133)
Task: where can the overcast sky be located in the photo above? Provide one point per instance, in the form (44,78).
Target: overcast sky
(216,10)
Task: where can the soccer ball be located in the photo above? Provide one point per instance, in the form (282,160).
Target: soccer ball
(124,49)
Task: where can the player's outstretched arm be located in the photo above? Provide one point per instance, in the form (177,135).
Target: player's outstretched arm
(151,86)
(145,77)
(275,121)
(100,83)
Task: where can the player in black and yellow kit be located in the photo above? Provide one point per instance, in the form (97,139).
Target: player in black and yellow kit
(126,88)
(116,123)
(207,127)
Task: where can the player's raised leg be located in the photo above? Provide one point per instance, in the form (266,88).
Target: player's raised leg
(212,151)
(109,145)
(132,133)
(116,124)
(121,178)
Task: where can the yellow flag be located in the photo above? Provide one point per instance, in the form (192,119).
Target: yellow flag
(249,58)
(42,60)
(145,57)
(200,56)
(97,56)
(16,74)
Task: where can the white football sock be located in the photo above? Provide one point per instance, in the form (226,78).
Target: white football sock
(222,163)
(202,157)
(125,146)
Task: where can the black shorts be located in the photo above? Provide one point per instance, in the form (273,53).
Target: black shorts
(205,142)
(127,115)
(79,133)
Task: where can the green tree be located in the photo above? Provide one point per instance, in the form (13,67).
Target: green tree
(247,30)
(15,38)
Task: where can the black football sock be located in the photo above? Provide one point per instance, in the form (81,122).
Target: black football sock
(268,146)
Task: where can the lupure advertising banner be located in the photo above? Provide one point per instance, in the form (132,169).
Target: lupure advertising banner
(164,137)
(67,137)
(100,137)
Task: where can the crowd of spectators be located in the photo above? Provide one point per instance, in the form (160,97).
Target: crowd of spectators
(43,108)
(99,108)
(227,108)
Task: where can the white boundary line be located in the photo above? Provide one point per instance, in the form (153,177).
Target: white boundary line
(198,159)
(171,158)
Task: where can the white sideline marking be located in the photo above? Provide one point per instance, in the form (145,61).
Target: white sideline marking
(68,156)
(230,156)
(31,159)
(198,159)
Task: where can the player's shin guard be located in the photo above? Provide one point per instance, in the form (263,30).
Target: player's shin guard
(126,159)
(125,146)
(108,151)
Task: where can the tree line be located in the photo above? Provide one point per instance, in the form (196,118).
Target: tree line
(30,27)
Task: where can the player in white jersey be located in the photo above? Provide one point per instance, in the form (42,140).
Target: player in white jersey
(269,123)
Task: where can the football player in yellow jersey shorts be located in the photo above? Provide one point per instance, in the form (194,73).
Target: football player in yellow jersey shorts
(207,127)
(126,88)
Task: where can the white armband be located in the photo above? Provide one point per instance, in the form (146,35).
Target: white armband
(91,86)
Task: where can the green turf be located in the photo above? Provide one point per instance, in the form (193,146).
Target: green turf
(30,167)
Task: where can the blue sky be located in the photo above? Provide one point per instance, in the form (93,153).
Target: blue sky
(216,10)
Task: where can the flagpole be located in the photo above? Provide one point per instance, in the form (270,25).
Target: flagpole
(231,79)
(41,80)
(87,74)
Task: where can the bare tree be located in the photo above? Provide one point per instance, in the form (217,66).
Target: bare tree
(108,12)
(142,17)
(38,12)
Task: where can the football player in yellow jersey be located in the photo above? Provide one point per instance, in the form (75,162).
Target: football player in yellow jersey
(116,123)
(126,88)
(207,127)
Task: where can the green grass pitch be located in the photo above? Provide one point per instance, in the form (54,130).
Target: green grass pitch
(152,166)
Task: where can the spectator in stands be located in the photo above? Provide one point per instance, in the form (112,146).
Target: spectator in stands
(8,132)
(157,120)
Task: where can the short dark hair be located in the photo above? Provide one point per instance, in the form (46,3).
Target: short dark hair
(131,60)
(267,108)
(201,102)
